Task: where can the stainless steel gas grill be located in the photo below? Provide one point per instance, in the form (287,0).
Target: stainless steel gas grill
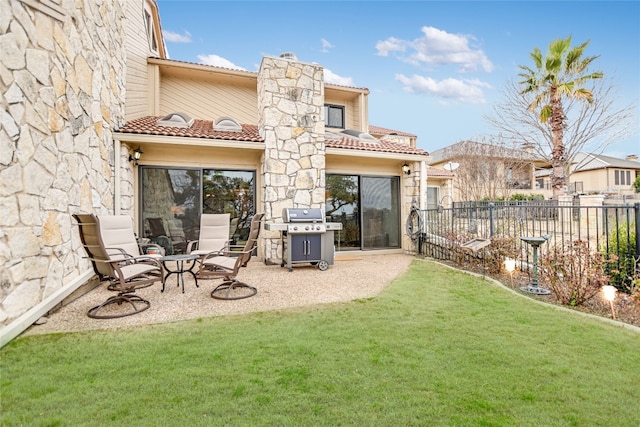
(306,237)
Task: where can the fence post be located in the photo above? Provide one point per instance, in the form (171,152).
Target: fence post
(491,219)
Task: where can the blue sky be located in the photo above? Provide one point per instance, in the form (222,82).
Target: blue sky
(434,68)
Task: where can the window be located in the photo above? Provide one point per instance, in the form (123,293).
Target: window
(432,197)
(175,198)
(151,33)
(334,116)
(623,177)
(177,120)
(227,124)
(368,208)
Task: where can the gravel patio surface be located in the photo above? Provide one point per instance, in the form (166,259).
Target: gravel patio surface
(353,276)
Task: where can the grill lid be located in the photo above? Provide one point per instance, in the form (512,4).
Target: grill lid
(302,215)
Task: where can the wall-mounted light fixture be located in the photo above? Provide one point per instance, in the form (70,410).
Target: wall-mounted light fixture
(137,153)
(405,169)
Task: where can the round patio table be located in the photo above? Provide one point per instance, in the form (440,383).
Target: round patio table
(180,269)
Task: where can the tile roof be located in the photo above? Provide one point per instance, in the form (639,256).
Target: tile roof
(204,129)
(199,129)
(440,173)
(378,146)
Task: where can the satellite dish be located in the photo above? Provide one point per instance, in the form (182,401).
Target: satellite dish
(451,166)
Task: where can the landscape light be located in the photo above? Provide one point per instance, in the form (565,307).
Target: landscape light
(610,295)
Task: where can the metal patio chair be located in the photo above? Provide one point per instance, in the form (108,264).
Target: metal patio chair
(111,246)
(213,237)
(227,266)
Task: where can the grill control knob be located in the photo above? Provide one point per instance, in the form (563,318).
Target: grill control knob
(295,228)
(306,227)
(318,227)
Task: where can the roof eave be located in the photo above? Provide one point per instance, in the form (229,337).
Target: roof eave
(377,154)
(185,140)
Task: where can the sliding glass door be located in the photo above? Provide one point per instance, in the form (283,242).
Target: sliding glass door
(172,200)
(368,208)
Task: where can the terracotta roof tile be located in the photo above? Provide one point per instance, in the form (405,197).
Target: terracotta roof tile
(381,146)
(437,172)
(199,129)
(204,129)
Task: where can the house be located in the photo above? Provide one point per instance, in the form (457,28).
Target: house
(598,174)
(97,119)
(487,171)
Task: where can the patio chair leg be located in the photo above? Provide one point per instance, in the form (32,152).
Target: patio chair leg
(228,286)
(137,304)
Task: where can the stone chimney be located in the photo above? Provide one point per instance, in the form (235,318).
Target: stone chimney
(632,157)
(290,119)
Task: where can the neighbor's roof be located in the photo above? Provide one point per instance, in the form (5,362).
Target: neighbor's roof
(204,129)
(439,173)
(453,151)
(590,161)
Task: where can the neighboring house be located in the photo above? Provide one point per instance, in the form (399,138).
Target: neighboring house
(485,171)
(96,119)
(598,174)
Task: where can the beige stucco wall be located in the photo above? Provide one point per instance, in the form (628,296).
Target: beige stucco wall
(62,85)
(603,181)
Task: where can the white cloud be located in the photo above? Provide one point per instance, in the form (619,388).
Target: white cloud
(465,91)
(218,61)
(332,78)
(170,36)
(437,47)
(325,45)
(391,44)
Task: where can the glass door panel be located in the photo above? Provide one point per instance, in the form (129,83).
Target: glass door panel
(380,212)
(232,192)
(170,207)
(342,205)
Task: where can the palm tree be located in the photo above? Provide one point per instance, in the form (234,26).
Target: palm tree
(560,74)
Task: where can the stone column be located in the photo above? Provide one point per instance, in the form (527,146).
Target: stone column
(291,108)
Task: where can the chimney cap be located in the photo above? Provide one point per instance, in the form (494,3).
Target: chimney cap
(289,56)
(632,157)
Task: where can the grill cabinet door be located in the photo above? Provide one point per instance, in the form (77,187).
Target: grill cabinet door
(314,251)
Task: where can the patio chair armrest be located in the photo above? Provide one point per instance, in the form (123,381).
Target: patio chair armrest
(192,245)
(212,254)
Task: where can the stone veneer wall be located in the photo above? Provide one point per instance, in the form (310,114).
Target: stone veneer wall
(62,91)
(291,109)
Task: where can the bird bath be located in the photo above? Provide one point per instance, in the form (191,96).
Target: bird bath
(535,243)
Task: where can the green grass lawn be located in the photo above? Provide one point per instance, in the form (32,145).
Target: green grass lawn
(437,348)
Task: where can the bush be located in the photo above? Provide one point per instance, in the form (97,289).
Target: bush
(574,273)
(521,196)
(620,249)
(636,184)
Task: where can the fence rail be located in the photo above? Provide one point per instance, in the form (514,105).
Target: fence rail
(608,229)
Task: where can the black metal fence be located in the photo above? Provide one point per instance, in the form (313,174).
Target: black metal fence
(613,229)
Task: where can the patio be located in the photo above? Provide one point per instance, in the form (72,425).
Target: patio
(353,276)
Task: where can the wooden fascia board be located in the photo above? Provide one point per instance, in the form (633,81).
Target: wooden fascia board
(377,154)
(182,140)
